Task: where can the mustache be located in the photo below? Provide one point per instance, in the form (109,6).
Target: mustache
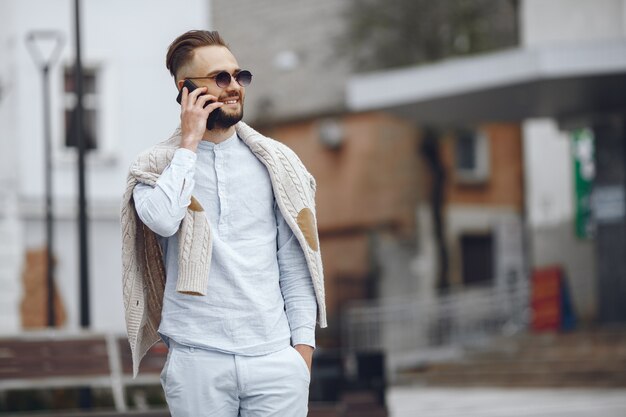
(235,95)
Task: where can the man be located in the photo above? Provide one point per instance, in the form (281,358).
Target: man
(220,251)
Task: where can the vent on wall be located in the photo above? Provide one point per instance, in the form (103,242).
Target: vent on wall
(331,133)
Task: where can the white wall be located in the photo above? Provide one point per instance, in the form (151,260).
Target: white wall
(555,21)
(11,249)
(127,40)
(7,90)
(547,173)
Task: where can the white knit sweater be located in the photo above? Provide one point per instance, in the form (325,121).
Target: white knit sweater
(142,261)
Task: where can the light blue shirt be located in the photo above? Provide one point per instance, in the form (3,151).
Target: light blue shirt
(260,294)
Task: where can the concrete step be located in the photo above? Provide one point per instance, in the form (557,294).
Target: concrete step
(510,366)
(571,379)
(580,359)
(556,354)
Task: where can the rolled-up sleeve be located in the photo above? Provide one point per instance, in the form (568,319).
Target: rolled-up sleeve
(163,207)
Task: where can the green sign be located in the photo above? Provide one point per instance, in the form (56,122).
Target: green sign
(584,173)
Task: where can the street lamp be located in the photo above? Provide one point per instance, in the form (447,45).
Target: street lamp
(34,43)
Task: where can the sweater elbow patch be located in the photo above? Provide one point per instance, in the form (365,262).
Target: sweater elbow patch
(306,223)
(195,205)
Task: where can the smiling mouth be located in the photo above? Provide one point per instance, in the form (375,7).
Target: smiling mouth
(231,100)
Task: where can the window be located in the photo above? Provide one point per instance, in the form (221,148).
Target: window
(91,107)
(477,257)
(471,157)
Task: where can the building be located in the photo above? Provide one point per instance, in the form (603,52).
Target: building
(567,75)
(130,104)
(398,218)
(377,235)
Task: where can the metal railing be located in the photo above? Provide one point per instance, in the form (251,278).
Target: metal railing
(457,319)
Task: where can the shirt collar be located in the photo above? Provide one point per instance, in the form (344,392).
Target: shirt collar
(205,144)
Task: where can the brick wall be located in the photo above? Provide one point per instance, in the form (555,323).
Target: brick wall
(367,186)
(504,186)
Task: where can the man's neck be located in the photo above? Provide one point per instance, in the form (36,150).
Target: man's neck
(218,135)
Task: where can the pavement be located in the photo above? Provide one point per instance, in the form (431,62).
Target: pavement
(417,401)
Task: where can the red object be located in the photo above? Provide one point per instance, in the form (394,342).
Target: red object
(546,299)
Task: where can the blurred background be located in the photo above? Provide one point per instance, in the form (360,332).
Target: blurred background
(470,159)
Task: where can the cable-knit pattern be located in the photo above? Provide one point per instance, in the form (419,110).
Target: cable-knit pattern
(287,164)
(143,272)
(152,162)
(278,187)
(186,238)
(142,260)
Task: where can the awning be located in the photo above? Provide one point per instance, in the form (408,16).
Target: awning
(561,81)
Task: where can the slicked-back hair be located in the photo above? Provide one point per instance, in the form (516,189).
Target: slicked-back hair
(180,52)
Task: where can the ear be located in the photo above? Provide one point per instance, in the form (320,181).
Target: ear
(179,84)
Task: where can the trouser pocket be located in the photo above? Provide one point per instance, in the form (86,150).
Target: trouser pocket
(166,367)
(301,362)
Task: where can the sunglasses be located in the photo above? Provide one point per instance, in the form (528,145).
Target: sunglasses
(223,79)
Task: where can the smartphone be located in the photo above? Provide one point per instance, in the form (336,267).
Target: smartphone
(210,123)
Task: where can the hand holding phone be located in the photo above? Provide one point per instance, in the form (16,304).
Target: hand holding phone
(191,86)
(198,113)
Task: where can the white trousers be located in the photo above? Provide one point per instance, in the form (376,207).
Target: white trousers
(199,382)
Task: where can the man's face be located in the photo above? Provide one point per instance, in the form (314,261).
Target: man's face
(208,61)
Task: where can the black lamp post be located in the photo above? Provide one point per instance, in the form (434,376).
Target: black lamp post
(85,397)
(85,316)
(33,42)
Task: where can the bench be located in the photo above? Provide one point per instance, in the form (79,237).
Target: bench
(53,359)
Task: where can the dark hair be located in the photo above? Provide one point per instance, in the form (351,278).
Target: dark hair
(181,50)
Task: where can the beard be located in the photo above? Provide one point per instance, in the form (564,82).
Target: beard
(218,119)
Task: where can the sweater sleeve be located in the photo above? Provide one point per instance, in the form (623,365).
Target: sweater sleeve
(296,285)
(163,207)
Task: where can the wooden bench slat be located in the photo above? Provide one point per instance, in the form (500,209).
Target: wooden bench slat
(69,360)
(54,382)
(44,366)
(27,373)
(46,344)
(30,358)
